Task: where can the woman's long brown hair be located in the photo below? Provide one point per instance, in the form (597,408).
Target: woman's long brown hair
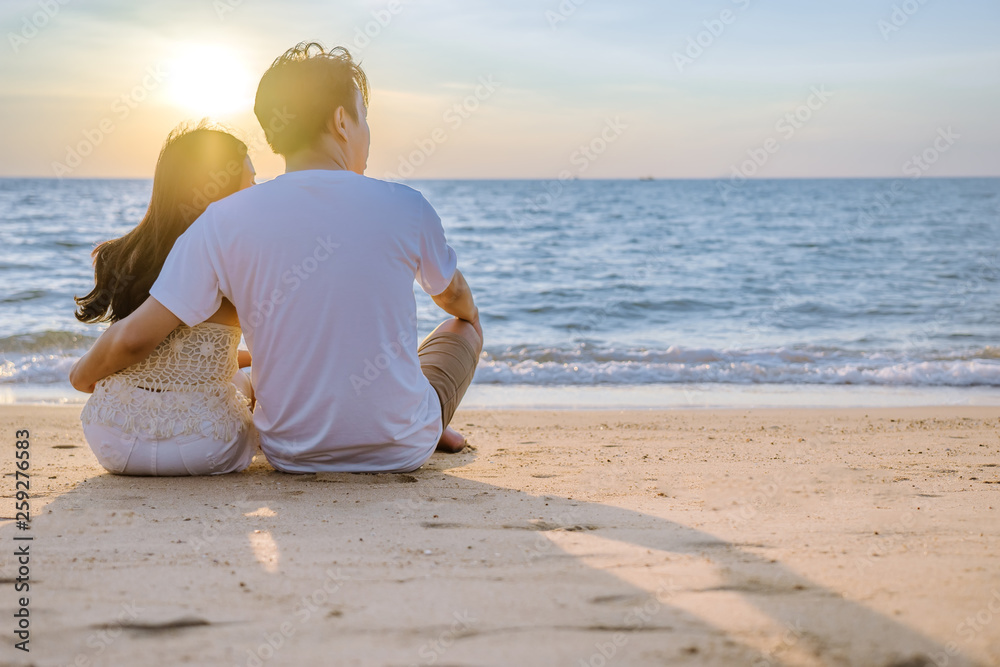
(196,167)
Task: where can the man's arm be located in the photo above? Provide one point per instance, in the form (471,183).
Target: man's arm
(457,300)
(125,342)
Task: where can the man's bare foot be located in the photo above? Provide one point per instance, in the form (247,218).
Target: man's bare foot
(451,441)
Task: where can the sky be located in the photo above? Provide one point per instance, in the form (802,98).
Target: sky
(538,89)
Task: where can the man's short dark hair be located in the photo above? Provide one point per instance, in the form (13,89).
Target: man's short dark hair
(302,89)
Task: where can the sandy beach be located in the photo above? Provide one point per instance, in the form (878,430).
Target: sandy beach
(737,537)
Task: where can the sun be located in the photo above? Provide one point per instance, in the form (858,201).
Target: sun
(209,80)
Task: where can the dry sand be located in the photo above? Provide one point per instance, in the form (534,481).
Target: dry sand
(761,537)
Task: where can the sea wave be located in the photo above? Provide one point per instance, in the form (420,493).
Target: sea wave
(45,342)
(583,365)
(943,374)
(657,278)
(42,357)
(36,369)
(46,357)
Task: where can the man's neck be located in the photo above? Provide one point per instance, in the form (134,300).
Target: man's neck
(313,159)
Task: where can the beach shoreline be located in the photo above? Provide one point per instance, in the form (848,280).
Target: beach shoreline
(697,396)
(781,536)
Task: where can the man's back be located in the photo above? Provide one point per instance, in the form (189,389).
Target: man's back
(320,266)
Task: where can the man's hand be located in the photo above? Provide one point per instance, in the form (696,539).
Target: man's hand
(476,325)
(74,379)
(126,342)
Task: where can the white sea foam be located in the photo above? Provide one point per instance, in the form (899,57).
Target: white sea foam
(585,365)
(918,373)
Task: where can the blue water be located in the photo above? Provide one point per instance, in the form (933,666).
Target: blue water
(623,283)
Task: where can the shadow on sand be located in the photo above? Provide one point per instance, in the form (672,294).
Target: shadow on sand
(261,568)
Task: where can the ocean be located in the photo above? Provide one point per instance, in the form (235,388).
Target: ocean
(626,293)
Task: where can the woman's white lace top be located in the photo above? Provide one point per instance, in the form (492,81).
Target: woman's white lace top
(184,387)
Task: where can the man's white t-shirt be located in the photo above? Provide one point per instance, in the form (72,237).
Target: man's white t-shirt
(320,266)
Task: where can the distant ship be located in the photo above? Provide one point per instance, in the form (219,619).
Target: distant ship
(646,178)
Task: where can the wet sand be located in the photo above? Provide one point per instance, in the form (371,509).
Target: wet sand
(722,537)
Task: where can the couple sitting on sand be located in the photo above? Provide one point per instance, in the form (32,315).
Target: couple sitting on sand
(315,268)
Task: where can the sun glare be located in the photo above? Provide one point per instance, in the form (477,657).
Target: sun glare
(210,81)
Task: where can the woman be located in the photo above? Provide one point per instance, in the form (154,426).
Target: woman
(185,410)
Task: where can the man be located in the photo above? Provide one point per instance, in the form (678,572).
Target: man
(320,264)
